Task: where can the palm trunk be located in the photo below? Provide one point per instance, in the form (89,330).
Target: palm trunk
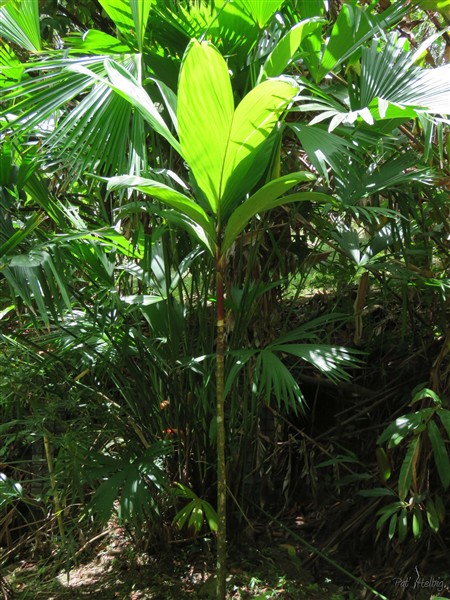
(220,419)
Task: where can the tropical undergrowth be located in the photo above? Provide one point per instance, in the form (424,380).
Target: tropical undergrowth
(143,221)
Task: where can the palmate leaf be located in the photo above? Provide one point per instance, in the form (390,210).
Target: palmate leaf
(353,27)
(196,510)
(39,280)
(101,133)
(130,88)
(313,329)
(390,88)
(97,134)
(19,23)
(262,10)
(330,360)
(18,236)
(90,138)
(228,24)
(355,181)
(133,482)
(275,380)
(324,149)
(387,73)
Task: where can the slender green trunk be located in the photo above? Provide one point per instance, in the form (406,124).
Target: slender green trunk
(220,417)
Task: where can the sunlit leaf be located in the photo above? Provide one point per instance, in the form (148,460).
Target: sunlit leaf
(287,47)
(262,10)
(205,113)
(19,23)
(265,198)
(253,121)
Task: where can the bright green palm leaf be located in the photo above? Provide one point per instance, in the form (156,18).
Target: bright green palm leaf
(19,23)
(264,199)
(351,26)
(254,120)
(262,10)
(222,146)
(261,201)
(96,42)
(286,48)
(205,113)
(351,30)
(170,197)
(140,10)
(120,12)
(130,17)
(11,69)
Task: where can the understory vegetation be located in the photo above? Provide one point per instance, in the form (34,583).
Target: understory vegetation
(225,298)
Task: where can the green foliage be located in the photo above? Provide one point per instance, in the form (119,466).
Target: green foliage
(134,482)
(146,160)
(414,500)
(195,511)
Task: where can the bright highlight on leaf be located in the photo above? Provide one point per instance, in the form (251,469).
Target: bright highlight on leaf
(220,144)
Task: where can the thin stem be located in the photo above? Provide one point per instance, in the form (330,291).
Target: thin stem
(220,419)
(51,472)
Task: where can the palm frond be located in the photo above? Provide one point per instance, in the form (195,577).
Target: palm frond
(19,23)
(275,380)
(99,132)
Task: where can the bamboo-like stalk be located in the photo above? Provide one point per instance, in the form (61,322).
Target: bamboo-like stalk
(51,472)
(220,420)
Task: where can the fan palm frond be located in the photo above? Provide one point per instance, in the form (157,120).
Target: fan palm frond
(19,23)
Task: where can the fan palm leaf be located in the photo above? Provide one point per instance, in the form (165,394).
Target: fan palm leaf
(19,23)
